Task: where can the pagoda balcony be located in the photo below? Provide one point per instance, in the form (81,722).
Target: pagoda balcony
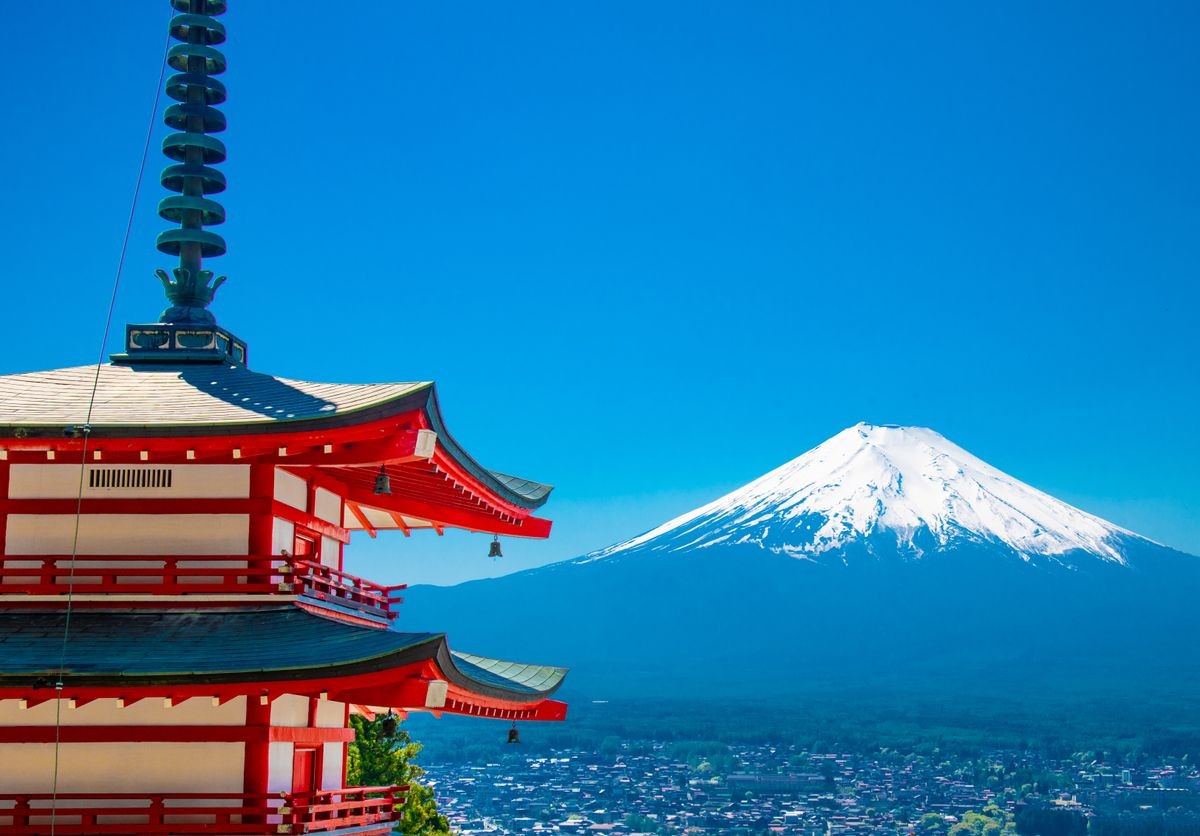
(229,579)
(358,810)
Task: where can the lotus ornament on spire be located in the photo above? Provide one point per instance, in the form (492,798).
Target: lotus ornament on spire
(190,294)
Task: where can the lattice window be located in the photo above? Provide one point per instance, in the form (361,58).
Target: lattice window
(129,477)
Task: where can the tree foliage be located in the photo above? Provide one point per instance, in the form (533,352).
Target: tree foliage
(1049,821)
(375,759)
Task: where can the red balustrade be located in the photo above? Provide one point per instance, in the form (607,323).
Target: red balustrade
(326,811)
(328,584)
(54,575)
(142,574)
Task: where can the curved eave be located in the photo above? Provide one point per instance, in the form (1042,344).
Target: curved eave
(523,492)
(268,649)
(228,402)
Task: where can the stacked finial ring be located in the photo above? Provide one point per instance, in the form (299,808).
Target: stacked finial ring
(194,118)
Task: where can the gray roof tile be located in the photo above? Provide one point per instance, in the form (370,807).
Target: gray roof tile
(198,394)
(173,647)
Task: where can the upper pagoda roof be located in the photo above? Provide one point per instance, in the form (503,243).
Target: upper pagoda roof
(224,399)
(205,398)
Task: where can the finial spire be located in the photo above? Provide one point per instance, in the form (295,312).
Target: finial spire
(194,151)
(187,332)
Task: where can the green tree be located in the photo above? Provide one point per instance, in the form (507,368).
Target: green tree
(641,824)
(931,823)
(375,759)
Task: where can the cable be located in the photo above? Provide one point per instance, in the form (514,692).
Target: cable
(86,429)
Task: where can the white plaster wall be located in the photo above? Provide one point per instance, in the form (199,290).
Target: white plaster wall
(123,767)
(331,551)
(291,489)
(283,536)
(331,714)
(290,710)
(148,534)
(280,776)
(197,711)
(328,506)
(331,768)
(200,481)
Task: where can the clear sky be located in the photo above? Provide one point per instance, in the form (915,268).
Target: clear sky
(651,250)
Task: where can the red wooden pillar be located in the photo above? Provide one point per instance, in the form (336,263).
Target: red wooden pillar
(262,487)
(257,765)
(4,517)
(345,747)
(262,523)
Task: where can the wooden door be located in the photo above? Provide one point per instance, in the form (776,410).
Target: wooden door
(304,770)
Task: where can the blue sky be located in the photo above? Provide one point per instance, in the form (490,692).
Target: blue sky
(650,251)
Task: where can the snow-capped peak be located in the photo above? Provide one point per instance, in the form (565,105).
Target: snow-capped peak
(906,489)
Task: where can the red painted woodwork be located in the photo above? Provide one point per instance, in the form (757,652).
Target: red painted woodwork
(370,442)
(256,506)
(80,814)
(309,521)
(262,524)
(328,584)
(256,770)
(3,516)
(345,461)
(306,545)
(443,506)
(141,574)
(196,575)
(379,688)
(304,770)
(459,514)
(355,454)
(333,809)
(358,514)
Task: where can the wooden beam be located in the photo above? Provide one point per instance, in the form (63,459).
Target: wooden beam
(174,505)
(362,518)
(446,516)
(398,519)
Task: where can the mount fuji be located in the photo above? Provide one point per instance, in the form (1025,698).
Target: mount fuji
(883,492)
(885,553)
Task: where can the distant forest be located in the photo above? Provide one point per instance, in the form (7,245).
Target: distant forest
(1116,725)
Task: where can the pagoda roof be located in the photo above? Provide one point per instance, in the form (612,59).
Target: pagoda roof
(262,645)
(205,400)
(188,398)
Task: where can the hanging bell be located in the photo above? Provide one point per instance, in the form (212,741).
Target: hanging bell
(387,726)
(383,485)
(514,736)
(494,551)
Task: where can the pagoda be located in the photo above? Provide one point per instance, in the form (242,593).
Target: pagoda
(181,646)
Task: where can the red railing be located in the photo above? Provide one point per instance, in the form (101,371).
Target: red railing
(326,810)
(194,575)
(76,814)
(328,584)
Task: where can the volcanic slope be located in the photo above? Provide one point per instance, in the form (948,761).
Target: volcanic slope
(884,553)
(888,491)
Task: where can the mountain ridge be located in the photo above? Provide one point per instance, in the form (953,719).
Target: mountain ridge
(924,565)
(871,480)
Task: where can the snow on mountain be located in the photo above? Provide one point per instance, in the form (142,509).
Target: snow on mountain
(886,489)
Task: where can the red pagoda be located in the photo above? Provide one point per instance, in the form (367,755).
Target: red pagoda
(181,647)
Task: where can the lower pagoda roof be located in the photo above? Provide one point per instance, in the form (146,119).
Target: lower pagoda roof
(275,649)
